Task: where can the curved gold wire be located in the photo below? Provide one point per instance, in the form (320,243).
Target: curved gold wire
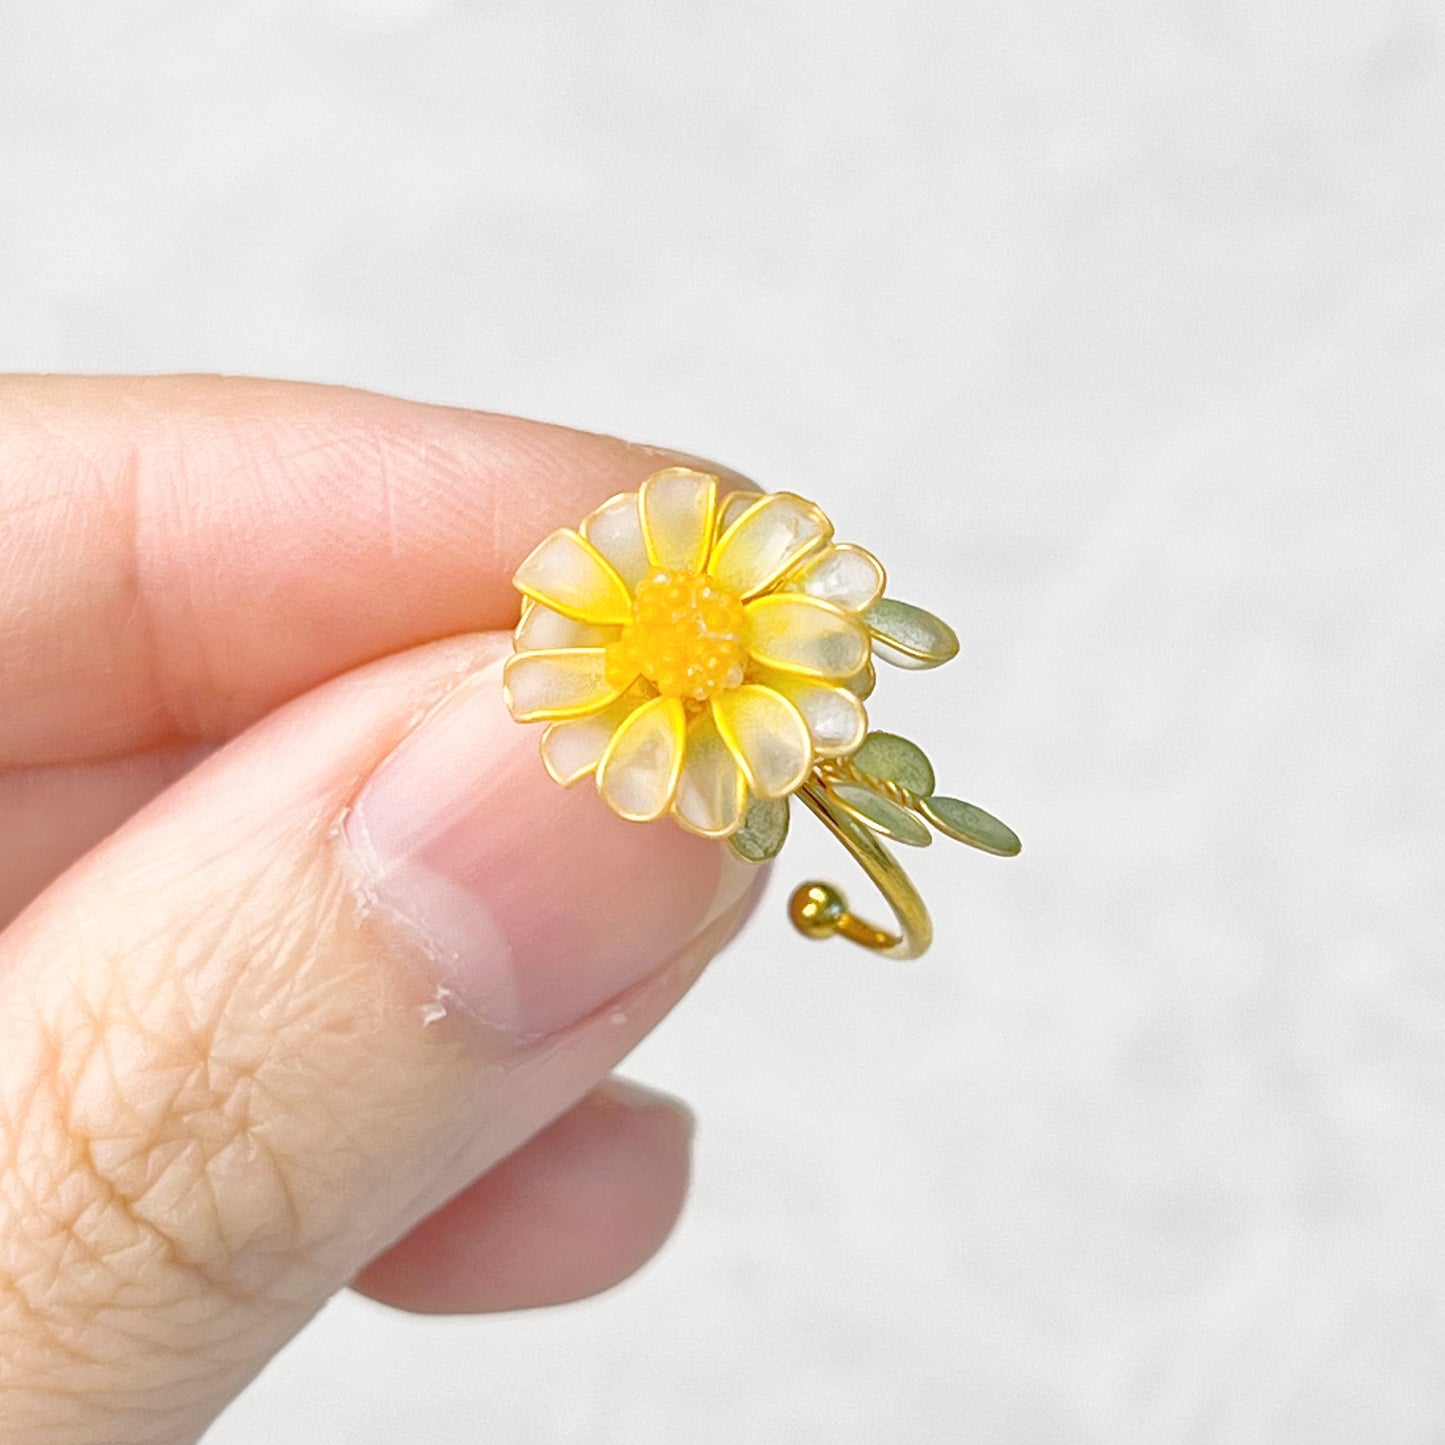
(820,910)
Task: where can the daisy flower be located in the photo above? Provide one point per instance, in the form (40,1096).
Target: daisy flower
(696,652)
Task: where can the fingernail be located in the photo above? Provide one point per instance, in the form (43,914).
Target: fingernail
(534,904)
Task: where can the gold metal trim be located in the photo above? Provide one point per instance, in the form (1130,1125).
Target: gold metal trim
(820,910)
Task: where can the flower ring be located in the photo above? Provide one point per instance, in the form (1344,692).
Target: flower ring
(708,656)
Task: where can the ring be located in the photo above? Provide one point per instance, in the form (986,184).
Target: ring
(706,655)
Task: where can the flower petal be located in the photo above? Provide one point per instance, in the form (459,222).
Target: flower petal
(767,540)
(768,737)
(804,634)
(615,529)
(542,630)
(862,683)
(542,686)
(568,574)
(733,506)
(678,509)
(842,574)
(712,791)
(638,773)
(835,717)
(571,749)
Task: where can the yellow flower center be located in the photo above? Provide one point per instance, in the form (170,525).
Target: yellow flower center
(688,636)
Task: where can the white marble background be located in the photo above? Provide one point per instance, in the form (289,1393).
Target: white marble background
(1117,330)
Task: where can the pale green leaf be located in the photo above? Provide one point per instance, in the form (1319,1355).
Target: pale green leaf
(881,814)
(909,636)
(970,825)
(763,830)
(896,760)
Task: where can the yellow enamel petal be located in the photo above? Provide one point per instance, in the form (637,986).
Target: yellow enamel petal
(573,748)
(807,635)
(542,630)
(836,719)
(568,574)
(615,529)
(733,506)
(543,686)
(862,683)
(768,737)
(637,776)
(528,607)
(842,574)
(711,791)
(678,509)
(769,539)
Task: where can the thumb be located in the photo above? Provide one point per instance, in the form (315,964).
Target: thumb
(300,1001)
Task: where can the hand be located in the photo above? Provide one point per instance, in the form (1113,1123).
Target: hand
(324,944)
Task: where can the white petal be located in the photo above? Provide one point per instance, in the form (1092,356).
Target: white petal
(803,634)
(711,792)
(615,529)
(542,686)
(836,719)
(542,630)
(733,506)
(678,509)
(768,737)
(842,574)
(770,538)
(567,573)
(571,749)
(637,776)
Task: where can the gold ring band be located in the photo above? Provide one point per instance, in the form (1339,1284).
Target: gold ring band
(820,910)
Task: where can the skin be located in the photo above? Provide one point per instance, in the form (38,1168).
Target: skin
(226,1090)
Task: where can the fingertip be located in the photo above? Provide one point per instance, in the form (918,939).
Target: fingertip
(577,1210)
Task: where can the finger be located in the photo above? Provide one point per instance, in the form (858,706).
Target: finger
(184,553)
(49,816)
(306,996)
(575,1211)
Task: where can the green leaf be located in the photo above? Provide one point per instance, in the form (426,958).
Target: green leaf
(911,636)
(763,831)
(971,825)
(881,814)
(896,760)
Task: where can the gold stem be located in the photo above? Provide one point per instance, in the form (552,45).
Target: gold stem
(820,910)
(846,771)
